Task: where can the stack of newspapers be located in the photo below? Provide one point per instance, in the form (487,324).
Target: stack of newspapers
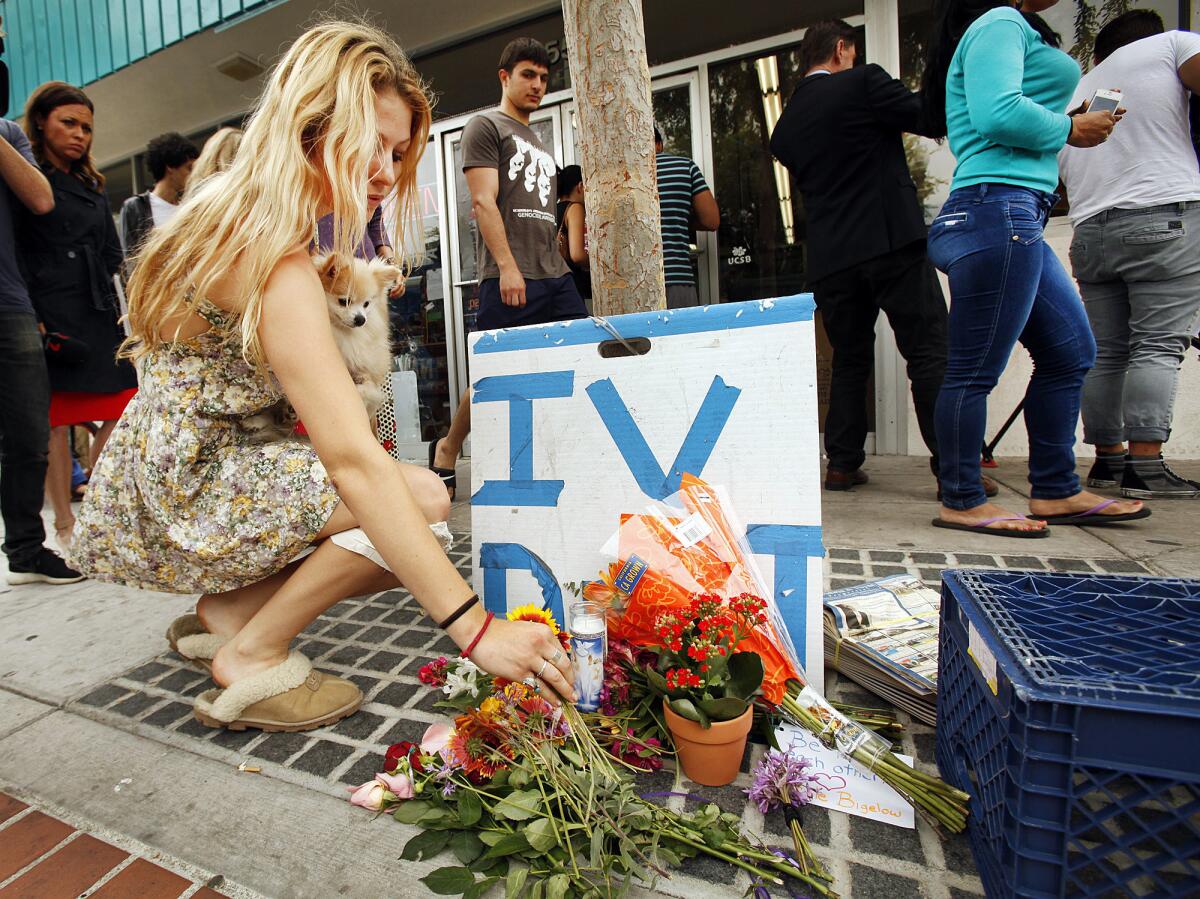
(884,635)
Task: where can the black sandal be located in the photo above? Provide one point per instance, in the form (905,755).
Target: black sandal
(448,475)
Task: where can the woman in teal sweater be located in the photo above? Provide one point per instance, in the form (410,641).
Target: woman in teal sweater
(998,87)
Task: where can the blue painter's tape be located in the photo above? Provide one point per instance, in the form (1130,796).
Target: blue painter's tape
(693,453)
(518,493)
(532,386)
(519,391)
(668,323)
(792,546)
(786,539)
(497,559)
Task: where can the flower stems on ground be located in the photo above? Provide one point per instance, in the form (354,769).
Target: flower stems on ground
(942,804)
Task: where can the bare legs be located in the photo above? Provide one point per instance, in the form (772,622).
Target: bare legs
(450,447)
(98,441)
(261,620)
(58,476)
(1136,448)
(58,485)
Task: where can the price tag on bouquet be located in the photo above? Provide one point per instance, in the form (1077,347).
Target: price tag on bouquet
(575,424)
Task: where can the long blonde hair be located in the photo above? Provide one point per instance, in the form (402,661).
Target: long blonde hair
(216,156)
(312,138)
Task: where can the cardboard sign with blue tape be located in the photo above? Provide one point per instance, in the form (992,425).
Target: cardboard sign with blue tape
(576,423)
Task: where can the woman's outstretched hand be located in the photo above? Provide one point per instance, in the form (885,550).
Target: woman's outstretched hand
(517,650)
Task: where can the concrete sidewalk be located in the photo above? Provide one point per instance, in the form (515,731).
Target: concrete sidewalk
(92,701)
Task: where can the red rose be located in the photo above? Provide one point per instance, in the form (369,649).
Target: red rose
(396,753)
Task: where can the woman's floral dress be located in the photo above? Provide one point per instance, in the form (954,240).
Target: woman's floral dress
(187,496)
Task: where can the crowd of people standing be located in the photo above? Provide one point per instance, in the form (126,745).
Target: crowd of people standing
(1010,103)
(227,318)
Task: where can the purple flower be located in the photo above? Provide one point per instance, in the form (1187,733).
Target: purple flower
(782,779)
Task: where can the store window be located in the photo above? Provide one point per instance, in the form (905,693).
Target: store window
(763,233)
(419,315)
(763,225)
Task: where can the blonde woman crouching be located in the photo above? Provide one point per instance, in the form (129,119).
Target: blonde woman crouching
(228,322)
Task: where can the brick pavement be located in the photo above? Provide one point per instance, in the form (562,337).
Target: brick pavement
(43,857)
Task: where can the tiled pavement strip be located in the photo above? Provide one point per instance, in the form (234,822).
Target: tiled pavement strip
(380,641)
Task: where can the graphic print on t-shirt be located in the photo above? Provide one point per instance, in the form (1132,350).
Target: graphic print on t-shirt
(526,175)
(539,168)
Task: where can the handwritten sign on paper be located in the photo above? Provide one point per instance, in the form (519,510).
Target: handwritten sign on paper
(850,787)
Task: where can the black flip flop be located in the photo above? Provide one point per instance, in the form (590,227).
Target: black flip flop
(982,528)
(1092,517)
(448,475)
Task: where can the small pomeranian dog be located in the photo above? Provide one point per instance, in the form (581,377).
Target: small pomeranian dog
(357,293)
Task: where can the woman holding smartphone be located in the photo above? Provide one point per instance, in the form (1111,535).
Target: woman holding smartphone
(998,87)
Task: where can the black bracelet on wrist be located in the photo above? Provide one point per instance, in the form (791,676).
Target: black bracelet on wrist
(460,611)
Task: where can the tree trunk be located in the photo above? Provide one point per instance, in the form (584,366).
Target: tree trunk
(607,47)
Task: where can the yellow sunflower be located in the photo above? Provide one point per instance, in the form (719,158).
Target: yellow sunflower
(532,612)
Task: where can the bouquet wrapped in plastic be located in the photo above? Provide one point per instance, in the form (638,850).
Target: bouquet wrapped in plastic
(690,545)
(693,545)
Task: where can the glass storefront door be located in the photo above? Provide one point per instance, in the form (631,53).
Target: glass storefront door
(676,100)
(418,316)
(762,241)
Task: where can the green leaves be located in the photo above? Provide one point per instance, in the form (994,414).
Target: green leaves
(412,811)
(520,805)
(470,808)
(657,682)
(509,844)
(556,886)
(449,881)
(426,844)
(745,675)
(541,835)
(724,709)
(515,882)
(466,846)
(685,708)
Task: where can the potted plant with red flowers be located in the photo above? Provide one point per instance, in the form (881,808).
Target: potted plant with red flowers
(707,684)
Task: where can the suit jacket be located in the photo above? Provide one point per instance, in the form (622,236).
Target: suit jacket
(841,138)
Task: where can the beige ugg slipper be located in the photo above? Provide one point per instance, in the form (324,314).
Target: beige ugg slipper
(292,696)
(188,636)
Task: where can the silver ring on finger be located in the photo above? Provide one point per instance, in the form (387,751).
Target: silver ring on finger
(545,662)
(530,682)
(557,655)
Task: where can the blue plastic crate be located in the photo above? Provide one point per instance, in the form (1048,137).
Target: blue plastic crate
(1069,707)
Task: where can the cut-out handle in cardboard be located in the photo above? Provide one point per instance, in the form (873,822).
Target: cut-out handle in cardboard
(617,349)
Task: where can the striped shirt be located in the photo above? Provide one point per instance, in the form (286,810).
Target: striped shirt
(679,180)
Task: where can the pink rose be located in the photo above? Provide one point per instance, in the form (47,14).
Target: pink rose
(436,738)
(371,795)
(400,785)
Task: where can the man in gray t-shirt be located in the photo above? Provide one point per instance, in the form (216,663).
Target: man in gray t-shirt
(24,382)
(523,280)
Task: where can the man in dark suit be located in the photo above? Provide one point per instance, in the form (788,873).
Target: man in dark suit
(841,138)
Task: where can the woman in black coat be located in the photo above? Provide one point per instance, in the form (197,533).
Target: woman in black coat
(69,256)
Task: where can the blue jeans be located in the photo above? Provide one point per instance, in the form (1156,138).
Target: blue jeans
(1007,285)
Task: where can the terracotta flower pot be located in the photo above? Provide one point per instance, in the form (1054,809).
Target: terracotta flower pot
(710,756)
